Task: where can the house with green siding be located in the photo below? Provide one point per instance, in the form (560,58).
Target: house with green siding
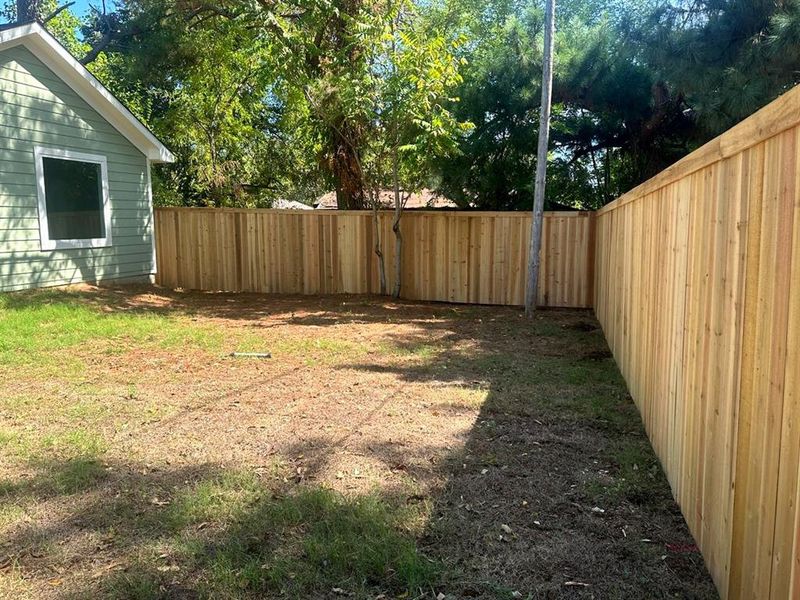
(75,188)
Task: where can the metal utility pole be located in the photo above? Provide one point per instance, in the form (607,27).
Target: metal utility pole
(541,158)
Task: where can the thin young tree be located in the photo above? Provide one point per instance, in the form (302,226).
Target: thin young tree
(403,98)
(541,159)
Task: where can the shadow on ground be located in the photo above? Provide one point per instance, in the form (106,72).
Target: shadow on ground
(553,493)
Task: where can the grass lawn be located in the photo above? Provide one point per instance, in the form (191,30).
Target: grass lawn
(386,450)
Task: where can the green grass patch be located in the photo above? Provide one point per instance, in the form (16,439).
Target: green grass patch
(221,500)
(66,462)
(568,386)
(74,442)
(421,350)
(139,582)
(570,371)
(8,438)
(320,349)
(77,474)
(543,327)
(459,397)
(67,422)
(89,408)
(11,511)
(316,540)
(42,330)
(637,477)
(233,538)
(53,477)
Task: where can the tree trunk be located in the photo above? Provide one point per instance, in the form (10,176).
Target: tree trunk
(541,160)
(26,11)
(346,168)
(398,236)
(378,252)
(346,136)
(347,199)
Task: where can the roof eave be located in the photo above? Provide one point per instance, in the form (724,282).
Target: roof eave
(47,49)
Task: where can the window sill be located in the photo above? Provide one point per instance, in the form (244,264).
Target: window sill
(75,244)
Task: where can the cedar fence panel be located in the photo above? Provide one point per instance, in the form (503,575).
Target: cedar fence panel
(477,258)
(698,291)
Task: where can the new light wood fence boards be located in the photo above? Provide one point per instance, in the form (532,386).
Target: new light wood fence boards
(463,257)
(698,291)
(694,275)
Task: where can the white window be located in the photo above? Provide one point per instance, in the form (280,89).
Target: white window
(74,210)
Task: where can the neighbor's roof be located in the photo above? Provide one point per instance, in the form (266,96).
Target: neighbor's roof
(290,205)
(58,59)
(423,199)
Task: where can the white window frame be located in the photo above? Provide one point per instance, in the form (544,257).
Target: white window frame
(41,153)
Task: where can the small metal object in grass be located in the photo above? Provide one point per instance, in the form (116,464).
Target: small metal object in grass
(250,355)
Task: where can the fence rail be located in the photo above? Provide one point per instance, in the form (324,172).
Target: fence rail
(698,291)
(466,257)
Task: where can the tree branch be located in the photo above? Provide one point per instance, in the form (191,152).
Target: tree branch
(97,48)
(57,12)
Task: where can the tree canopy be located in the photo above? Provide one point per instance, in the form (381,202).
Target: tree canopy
(291,98)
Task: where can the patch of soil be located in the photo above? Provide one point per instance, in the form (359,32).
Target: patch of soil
(603,354)
(585,326)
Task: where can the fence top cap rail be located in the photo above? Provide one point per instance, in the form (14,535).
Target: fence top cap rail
(775,118)
(368,213)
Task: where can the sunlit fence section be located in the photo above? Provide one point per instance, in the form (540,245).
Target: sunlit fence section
(467,257)
(698,291)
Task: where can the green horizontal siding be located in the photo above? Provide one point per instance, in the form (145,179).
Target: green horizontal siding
(122,218)
(28,248)
(51,277)
(66,135)
(26,169)
(121,215)
(27,222)
(73,142)
(16,268)
(31,83)
(16,197)
(32,253)
(38,109)
(34,107)
(12,240)
(117,187)
(17,161)
(9,237)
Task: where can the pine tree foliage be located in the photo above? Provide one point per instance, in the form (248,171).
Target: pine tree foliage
(726,57)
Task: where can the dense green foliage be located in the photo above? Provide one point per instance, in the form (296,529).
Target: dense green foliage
(638,85)
(290,98)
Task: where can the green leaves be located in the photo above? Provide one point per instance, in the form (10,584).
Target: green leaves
(382,89)
(727,58)
(287,98)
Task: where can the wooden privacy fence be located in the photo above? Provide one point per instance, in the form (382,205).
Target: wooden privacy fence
(698,291)
(464,257)
(697,288)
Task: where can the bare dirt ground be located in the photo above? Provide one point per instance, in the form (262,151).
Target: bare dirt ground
(136,455)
